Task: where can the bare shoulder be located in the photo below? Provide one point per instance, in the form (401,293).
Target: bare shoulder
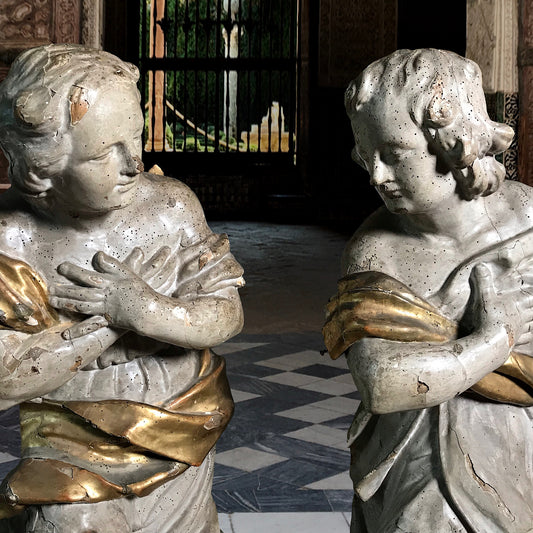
(173,203)
(514,199)
(370,246)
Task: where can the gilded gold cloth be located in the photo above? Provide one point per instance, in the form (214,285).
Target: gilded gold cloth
(156,443)
(373,304)
(83,451)
(23,298)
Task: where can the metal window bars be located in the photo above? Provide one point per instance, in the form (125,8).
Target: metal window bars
(219,77)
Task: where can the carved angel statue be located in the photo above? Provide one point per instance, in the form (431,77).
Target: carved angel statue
(112,290)
(435,307)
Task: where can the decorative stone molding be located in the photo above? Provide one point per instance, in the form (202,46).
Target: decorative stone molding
(67,21)
(29,21)
(511,116)
(92,23)
(492,42)
(526,92)
(351,35)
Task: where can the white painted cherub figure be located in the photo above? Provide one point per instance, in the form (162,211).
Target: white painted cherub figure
(112,289)
(435,309)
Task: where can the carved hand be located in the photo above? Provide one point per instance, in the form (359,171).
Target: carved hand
(121,292)
(508,301)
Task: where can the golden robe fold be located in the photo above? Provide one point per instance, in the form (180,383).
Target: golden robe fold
(373,304)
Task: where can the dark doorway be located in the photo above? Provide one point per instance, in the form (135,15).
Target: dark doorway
(423,24)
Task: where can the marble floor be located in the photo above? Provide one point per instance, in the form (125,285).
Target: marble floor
(285,449)
(282,464)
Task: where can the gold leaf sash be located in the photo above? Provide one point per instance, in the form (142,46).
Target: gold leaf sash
(373,304)
(94,451)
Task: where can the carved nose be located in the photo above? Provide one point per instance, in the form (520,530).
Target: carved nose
(378,175)
(133,166)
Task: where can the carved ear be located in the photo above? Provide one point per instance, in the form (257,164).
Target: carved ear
(440,111)
(36,186)
(31,107)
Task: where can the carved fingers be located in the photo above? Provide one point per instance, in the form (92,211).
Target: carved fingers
(119,291)
(87,301)
(86,327)
(509,303)
(159,271)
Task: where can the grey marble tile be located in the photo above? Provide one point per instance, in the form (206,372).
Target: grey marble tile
(306,522)
(10,440)
(299,472)
(252,370)
(256,493)
(247,430)
(312,453)
(340,500)
(240,396)
(322,371)
(292,396)
(5,468)
(249,459)
(224,473)
(356,395)
(343,422)
(9,417)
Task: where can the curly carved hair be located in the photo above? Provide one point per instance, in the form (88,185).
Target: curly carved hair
(445,99)
(47,92)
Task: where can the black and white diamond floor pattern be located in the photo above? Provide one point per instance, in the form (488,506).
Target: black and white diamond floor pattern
(285,448)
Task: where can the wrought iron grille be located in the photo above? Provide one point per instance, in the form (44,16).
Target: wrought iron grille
(219,79)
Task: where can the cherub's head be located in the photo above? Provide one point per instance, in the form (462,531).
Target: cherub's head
(437,96)
(70,125)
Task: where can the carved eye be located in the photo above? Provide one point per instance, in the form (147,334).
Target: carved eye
(393,155)
(104,156)
(358,158)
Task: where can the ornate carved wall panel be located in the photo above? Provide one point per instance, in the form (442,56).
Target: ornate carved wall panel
(492,42)
(525,63)
(25,21)
(67,21)
(92,23)
(352,34)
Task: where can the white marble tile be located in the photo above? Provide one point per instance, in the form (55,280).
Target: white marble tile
(247,459)
(233,347)
(346,406)
(293,378)
(342,445)
(340,362)
(289,523)
(241,396)
(329,386)
(307,413)
(345,378)
(321,435)
(224,520)
(340,481)
(293,361)
(6,457)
